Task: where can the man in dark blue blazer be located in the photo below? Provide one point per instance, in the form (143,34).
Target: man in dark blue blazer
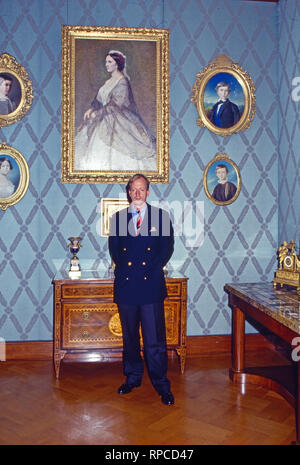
(141,242)
(224,113)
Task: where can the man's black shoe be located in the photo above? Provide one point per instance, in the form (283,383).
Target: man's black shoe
(126,388)
(167,398)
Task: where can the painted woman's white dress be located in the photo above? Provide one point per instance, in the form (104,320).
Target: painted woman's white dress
(6,188)
(116,138)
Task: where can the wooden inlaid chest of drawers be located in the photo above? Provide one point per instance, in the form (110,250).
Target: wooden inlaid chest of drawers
(87,324)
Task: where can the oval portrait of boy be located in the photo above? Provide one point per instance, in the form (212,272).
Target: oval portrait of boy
(222,181)
(223,100)
(9,176)
(10,93)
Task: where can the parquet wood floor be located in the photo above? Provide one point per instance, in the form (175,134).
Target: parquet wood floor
(83,406)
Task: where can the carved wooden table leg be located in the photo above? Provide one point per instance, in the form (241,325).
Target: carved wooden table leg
(238,346)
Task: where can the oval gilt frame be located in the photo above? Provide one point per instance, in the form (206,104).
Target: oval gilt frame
(19,76)
(224,65)
(233,177)
(6,150)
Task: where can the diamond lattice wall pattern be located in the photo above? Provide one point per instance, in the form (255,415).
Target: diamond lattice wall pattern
(288,110)
(240,240)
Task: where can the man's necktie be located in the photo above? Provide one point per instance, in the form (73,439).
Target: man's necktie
(138,222)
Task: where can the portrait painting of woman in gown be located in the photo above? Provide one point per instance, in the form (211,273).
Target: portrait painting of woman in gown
(14,176)
(7,188)
(112,135)
(6,104)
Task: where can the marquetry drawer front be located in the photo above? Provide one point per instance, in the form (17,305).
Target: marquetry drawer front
(172,317)
(91,325)
(174,289)
(88,313)
(91,291)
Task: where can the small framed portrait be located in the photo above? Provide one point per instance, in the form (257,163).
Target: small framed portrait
(16,93)
(224,95)
(14,176)
(108,208)
(115,104)
(222,180)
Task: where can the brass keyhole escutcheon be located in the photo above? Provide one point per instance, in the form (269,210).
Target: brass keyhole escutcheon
(85,334)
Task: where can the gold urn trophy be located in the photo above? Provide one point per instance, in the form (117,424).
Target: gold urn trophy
(288,267)
(74,246)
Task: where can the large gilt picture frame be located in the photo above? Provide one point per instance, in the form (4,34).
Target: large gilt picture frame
(14,176)
(16,92)
(222,180)
(224,95)
(115,104)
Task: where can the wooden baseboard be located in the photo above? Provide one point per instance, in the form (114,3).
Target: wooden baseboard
(29,350)
(196,346)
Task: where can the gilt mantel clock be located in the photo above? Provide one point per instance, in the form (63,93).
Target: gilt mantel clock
(288,271)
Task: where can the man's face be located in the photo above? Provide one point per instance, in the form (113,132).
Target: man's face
(5,87)
(222,174)
(223,92)
(138,192)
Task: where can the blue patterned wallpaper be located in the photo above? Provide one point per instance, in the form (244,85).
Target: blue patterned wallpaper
(289,135)
(240,239)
